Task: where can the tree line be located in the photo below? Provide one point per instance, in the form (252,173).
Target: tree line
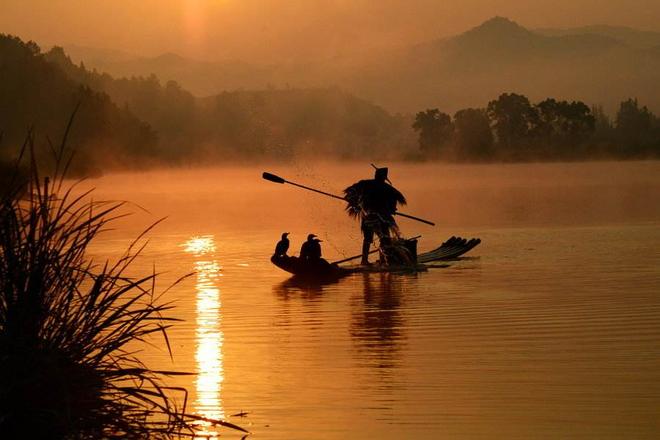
(511,128)
(139,121)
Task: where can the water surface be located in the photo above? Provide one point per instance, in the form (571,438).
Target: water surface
(549,330)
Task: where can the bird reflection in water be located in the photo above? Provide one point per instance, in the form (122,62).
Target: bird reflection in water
(208,335)
(306,289)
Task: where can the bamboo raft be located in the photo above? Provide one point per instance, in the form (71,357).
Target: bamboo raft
(322,270)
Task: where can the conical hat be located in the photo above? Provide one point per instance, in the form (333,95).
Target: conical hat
(381,174)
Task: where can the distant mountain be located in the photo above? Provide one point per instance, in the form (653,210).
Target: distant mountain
(597,64)
(273,123)
(503,42)
(497,36)
(97,56)
(202,78)
(629,36)
(501,56)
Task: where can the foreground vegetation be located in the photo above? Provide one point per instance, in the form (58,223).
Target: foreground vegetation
(66,321)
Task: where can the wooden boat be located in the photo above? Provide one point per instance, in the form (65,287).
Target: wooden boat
(314,270)
(322,270)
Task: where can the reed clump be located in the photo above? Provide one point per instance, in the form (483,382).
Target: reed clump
(65,321)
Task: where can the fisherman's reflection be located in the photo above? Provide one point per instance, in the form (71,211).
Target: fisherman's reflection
(377,325)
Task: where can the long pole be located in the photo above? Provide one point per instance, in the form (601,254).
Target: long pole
(315,190)
(277,179)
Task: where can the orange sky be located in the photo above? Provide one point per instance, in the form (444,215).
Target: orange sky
(272,30)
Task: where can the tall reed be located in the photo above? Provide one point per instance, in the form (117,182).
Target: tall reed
(66,370)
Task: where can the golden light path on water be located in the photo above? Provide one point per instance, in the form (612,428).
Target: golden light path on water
(208,334)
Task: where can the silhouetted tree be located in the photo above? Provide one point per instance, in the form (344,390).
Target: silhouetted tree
(602,139)
(602,123)
(513,118)
(474,138)
(637,130)
(564,126)
(435,131)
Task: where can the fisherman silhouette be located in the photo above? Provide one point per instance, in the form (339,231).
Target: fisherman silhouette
(311,249)
(374,202)
(282,246)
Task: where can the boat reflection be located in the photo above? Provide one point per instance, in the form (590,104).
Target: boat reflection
(377,324)
(208,335)
(300,287)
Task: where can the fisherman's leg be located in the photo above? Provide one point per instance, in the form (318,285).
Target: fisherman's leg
(366,245)
(382,232)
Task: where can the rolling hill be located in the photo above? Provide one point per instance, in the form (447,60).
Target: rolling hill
(499,56)
(597,64)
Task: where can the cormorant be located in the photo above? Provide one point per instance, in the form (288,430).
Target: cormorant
(282,246)
(311,249)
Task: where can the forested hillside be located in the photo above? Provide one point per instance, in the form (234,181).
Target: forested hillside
(37,95)
(140,121)
(272,123)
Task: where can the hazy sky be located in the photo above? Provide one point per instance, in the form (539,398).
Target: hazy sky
(274,29)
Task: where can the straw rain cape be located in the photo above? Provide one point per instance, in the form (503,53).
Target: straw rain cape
(371,197)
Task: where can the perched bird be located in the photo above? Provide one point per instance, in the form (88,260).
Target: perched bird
(282,246)
(311,249)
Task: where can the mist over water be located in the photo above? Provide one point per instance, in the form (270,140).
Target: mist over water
(454,196)
(548,329)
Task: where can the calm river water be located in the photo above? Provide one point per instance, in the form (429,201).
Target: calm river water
(551,329)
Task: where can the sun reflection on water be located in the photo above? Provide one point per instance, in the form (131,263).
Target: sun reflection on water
(208,335)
